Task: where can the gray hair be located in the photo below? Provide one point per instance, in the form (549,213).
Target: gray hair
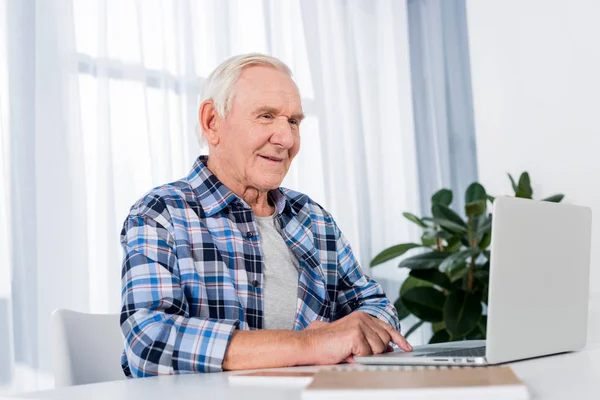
(220,84)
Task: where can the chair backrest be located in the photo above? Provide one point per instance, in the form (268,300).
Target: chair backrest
(87,348)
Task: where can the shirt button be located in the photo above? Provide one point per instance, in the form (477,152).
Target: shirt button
(249,234)
(255,283)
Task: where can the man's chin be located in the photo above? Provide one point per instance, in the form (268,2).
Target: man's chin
(269,184)
(268,180)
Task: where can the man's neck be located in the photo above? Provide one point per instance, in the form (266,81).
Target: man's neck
(256,199)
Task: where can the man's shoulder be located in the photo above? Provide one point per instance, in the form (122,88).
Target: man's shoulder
(162,200)
(303,204)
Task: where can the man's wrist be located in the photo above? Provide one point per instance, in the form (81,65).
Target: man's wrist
(306,347)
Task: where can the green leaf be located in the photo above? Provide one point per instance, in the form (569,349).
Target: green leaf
(454,244)
(485,294)
(458,272)
(485,241)
(464,241)
(483,276)
(457,258)
(428,238)
(436,326)
(441,336)
(442,196)
(441,211)
(415,219)
(424,261)
(475,208)
(462,311)
(557,198)
(443,235)
(448,219)
(491,198)
(451,226)
(413,328)
(513,183)
(401,309)
(475,334)
(525,186)
(475,192)
(412,282)
(482,325)
(425,302)
(482,228)
(393,252)
(434,276)
(484,225)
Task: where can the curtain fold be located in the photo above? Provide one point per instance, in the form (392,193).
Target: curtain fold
(6,339)
(442,97)
(19,184)
(61,189)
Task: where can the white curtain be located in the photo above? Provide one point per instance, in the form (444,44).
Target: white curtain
(103,104)
(442,97)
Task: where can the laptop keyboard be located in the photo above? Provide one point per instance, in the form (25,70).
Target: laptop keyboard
(472,352)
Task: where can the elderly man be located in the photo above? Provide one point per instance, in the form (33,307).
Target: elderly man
(225,270)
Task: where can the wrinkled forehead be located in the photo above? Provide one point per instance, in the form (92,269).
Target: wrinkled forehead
(260,86)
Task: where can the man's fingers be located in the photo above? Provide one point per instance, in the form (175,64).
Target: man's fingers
(376,342)
(361,346)
(395,336)
(383,334)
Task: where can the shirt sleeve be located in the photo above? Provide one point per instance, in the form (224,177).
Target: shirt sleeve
(160,336)
(357,291)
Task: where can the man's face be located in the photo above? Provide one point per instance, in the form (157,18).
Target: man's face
(260,136)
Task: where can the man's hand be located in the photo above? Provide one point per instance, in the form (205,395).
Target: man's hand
(316,324)
(320,343)
(358,334)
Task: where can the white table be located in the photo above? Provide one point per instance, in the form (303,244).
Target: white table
(566,376)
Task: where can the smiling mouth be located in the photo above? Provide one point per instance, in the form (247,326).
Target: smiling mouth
(274,159)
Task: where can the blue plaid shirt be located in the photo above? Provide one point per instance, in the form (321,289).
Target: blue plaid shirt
(193,273)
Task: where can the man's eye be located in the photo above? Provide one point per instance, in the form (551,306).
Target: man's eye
(267,116)
(293,121)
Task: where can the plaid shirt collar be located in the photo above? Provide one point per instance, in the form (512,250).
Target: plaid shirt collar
(214,196)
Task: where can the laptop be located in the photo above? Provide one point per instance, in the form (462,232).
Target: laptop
(538,292)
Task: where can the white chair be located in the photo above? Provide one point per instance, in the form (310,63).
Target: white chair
(87,348)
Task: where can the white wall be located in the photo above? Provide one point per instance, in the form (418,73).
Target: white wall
(536,94)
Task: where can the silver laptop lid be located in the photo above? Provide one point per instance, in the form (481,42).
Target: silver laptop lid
(539,279)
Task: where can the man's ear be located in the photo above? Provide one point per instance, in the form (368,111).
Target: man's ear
(209,121)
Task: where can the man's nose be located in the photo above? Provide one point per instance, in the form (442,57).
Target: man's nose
(282,133)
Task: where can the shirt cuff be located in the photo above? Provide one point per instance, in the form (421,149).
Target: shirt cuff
(382,314)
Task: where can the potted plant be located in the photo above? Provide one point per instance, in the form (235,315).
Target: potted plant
(449,272)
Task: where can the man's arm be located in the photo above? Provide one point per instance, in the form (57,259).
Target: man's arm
(160,336)
(358,334)
(356,291)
